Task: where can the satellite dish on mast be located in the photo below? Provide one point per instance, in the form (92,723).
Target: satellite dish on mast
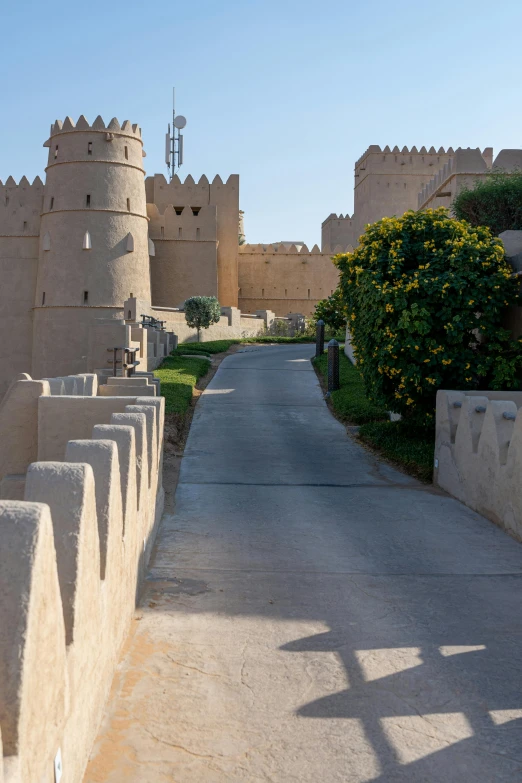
(180,122)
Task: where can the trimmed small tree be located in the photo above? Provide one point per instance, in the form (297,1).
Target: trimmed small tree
(426,296)
(495,201)
(201,312)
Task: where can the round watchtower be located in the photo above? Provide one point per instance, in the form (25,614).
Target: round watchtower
(94,249)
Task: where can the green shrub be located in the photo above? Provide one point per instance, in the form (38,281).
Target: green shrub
(495,201)
(396,441)
(201,312)
(426,294)
(350,402)
(332,311)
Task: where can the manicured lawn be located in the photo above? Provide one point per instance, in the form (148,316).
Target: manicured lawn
(350,403)
(178,378)
(412,450)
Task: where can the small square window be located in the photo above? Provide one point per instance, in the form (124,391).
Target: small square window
(195,210)
(178,210)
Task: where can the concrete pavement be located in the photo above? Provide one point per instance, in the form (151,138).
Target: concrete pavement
(311,614)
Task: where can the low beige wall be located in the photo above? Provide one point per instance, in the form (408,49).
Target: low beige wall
(478,453)
(72,554)
(230,327)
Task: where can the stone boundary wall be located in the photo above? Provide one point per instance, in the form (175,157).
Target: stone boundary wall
(73,551)
(478,453)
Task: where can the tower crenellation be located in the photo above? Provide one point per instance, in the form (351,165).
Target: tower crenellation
(20,207)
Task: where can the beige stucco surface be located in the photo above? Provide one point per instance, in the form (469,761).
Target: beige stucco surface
(73,553)
(284,281)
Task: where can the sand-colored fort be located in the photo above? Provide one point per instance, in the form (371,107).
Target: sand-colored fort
(83,258)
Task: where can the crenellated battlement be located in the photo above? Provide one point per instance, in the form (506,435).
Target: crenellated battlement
(188,223)
(68,126)
(469,163)
(20,207)
(302,250)
(333,216)
(376,149)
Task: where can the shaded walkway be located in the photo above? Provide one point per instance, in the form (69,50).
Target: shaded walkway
(312,614)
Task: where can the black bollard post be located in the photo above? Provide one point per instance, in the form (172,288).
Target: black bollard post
(319,338)
(333,366)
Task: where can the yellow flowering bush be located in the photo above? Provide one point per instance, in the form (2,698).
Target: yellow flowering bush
(425,295)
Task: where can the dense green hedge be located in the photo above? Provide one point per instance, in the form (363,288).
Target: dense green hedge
(495,201)
(350,402)
(426,294)
(178,378)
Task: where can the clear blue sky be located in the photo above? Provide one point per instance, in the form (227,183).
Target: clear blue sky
(288,94)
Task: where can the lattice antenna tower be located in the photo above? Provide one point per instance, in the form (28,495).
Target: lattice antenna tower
(174,140)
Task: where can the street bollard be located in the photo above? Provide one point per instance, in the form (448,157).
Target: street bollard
(319,338)
(333,366)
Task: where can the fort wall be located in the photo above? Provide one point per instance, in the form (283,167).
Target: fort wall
(186,250)
(20,208)
(222,195)
(274,278)
(387,181)
(338,230)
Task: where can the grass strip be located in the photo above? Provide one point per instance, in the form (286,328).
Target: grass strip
(413,451)
(350,402)
(178,378)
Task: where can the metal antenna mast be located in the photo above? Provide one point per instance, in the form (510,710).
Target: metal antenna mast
(174,140)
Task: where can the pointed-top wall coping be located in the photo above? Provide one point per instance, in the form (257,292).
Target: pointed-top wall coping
(114,126)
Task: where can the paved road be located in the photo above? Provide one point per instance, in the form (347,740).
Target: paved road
(313,615)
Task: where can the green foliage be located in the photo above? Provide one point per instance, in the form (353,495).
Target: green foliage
(350,402)
(178,378)
(426,295)
(495,201)
(398,443)
(202,311)
(211,347)
(332,311)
